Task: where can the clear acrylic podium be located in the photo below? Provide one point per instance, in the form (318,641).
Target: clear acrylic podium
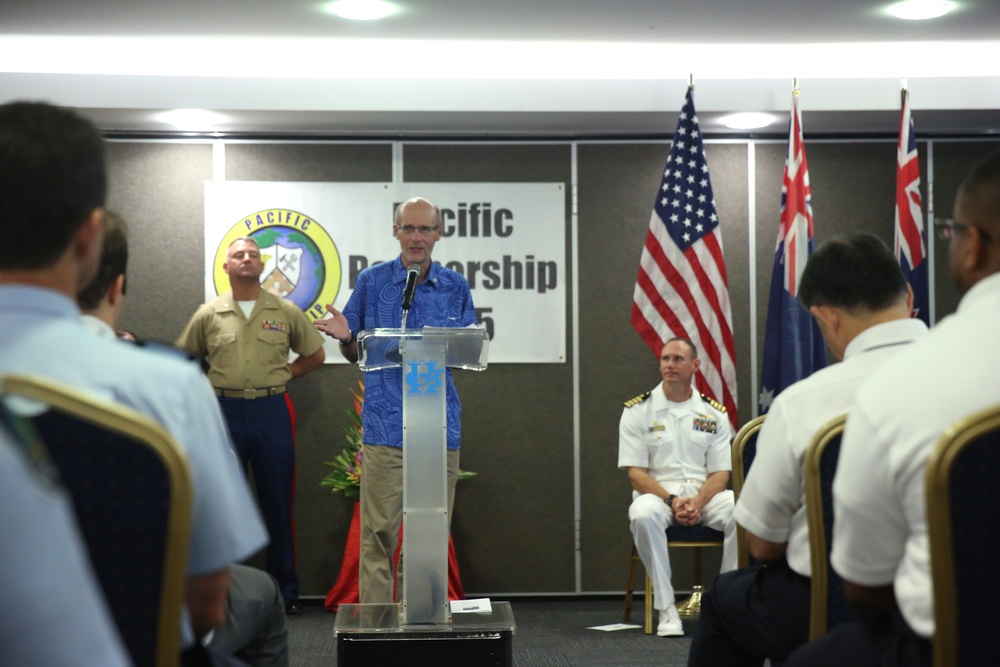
(420,629)
(423,356)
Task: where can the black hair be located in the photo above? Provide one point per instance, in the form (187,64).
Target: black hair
(114,261)
(852,271)
(52,176)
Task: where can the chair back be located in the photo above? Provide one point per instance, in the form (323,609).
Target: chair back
(694,536)
(744,451)
(961,505)
(829,606)
(131,491)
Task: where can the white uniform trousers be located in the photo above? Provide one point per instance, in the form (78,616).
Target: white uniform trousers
(649,518)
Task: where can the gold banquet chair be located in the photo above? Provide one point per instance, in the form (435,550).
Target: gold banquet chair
(690,537)
(744,451)
(828,605)
(131,492)
(961,506)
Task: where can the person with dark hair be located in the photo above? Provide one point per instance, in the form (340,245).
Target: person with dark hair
(880,541)
(855,289)
(102,301)
(255,628)
(52,191)
(245,336)
(674,445)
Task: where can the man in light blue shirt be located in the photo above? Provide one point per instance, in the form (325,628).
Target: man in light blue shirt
(52,192)
(441,298)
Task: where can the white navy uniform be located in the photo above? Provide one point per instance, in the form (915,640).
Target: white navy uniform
(680,445)
(43,335)
(880,535)
(772,501)
(764,610)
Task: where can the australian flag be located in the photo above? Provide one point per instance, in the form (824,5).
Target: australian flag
(911,251)
(793,345)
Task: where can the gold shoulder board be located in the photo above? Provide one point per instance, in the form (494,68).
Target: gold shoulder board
(637,400)
(715,404)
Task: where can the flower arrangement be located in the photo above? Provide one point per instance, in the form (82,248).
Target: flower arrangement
(346,474)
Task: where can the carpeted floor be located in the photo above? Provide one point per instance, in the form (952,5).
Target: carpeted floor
(549,632)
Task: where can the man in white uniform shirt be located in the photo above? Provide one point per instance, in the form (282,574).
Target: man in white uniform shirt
(880,544)
(854,288)
(674,444)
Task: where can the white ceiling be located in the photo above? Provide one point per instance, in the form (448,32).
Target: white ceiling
(509,68)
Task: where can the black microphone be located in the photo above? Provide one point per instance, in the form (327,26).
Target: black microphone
(412,271)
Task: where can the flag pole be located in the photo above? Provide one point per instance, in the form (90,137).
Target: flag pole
(690,80)
(902,91)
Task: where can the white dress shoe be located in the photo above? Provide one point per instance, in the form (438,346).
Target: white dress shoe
(670,623)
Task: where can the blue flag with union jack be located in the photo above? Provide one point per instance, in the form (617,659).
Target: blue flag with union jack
(793,345)
(911,250)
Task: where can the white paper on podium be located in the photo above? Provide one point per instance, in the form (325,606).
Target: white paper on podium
(477,606)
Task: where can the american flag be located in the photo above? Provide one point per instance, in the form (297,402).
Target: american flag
(682,289)
(793,345)
(909,229)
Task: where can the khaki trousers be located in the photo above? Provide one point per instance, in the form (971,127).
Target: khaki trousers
(381,514)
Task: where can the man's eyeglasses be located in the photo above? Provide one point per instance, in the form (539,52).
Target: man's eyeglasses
(946,228)
(423,230)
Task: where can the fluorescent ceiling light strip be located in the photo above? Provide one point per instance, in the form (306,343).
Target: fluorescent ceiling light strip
(318,58)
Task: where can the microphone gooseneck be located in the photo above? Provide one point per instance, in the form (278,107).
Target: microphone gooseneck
(412,271)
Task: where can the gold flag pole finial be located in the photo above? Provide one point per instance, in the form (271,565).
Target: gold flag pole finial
(795,86)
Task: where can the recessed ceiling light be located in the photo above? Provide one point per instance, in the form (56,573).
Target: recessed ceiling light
(747,120)
(361,10)
(918,10)
(192,119)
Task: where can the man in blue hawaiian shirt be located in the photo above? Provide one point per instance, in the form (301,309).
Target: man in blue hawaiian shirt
(441,298)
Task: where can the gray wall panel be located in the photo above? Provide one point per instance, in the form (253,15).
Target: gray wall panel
(618,184)
(309,162)
(513,525)
(159,189)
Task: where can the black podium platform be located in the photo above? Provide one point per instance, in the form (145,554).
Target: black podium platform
(371,634)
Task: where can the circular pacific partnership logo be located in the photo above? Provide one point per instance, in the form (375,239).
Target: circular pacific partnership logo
(301,262)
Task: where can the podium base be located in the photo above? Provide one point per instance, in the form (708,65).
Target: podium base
(371,634)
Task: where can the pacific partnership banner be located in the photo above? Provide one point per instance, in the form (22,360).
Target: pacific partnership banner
(507,239)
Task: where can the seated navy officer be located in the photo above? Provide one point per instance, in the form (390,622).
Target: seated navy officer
(674,444)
